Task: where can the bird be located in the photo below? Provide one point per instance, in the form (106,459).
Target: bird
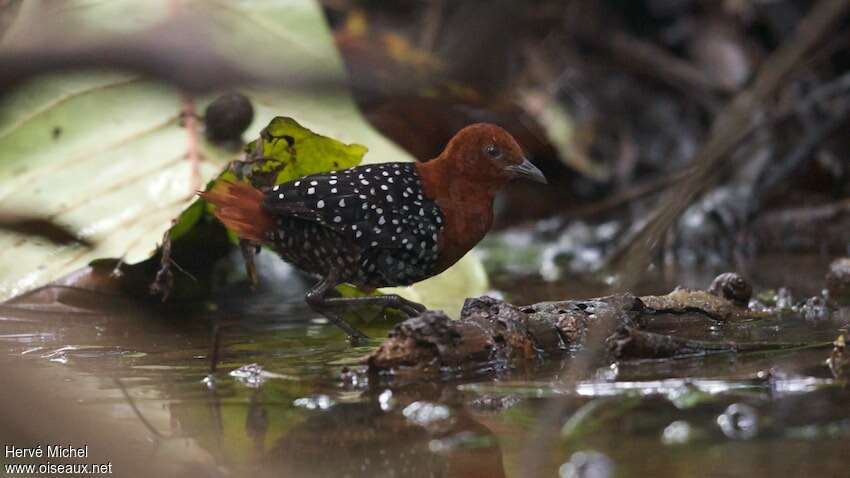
(379,225)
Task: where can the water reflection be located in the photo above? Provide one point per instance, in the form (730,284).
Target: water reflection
(127,378)
(362,439)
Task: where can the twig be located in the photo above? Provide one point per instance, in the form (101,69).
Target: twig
(178,51)
(136,410)
(731,127)
(659,65)
(431,24)
(193,152)
(629,343)
(646,188)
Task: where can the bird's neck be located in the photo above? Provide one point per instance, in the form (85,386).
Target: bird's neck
(466,204)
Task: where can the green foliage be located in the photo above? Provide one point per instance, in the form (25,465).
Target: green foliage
(291,151)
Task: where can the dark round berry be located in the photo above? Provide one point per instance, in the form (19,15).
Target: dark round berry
(732,287)
(227,117)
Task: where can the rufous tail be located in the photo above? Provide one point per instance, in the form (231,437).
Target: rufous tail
(239,206)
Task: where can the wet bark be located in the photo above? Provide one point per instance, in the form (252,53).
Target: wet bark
(492,334)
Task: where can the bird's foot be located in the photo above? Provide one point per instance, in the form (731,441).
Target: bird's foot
(354,335)
(408,307)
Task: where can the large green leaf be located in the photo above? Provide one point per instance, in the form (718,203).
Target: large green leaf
(106,154)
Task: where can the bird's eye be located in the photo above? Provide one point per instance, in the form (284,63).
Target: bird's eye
(493,151)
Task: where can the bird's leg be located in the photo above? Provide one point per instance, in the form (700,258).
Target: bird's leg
(317,299)
(407,307)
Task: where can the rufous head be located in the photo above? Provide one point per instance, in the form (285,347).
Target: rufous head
(489,153)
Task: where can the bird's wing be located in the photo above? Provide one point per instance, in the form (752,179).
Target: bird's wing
(373,206)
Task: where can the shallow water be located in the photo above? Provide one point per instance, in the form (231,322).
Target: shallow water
(289,399)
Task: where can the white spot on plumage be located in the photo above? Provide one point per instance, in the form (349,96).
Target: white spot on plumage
(389,198)
(314,183)
(337,218)
(311,190)
(332,182)
(364,182)
(382,221)
(342,202)
(320,204)
(280,196)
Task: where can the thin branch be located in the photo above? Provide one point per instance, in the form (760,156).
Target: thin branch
(731,127)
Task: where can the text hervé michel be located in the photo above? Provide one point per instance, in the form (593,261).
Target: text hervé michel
(47,451)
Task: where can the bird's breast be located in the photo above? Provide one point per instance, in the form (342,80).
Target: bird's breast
(466,224)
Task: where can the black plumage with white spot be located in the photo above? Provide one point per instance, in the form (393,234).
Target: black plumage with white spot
(371,225)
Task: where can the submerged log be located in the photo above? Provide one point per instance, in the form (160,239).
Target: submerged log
(492,334)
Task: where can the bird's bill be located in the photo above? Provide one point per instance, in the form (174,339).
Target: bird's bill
(528,171)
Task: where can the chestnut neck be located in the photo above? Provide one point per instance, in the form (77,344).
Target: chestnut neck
(465,201)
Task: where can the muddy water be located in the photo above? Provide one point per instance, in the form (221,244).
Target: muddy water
(130,381)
